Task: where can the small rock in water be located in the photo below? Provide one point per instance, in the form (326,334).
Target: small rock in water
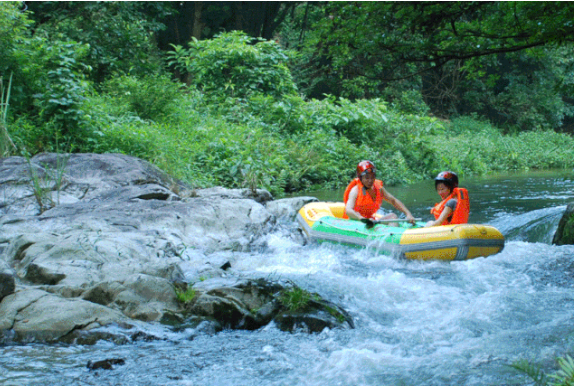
(104,364)
(226,266)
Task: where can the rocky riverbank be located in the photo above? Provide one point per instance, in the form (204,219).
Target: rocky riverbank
(90,241)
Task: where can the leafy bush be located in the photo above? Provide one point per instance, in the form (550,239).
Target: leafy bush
(6,144)
(185,296)
(49,80)
(14,42)
(233,64)
(64,89)
(152,97)
(294,146)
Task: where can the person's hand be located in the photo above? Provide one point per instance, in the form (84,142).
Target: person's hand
(370,222)
(411,219)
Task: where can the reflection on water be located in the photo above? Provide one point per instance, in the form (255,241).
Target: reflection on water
(417,323)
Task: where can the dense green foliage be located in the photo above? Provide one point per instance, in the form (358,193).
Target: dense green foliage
(240,121)
(231,65)
(119,35)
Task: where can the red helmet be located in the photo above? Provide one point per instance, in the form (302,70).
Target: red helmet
(364,167)
(447,177)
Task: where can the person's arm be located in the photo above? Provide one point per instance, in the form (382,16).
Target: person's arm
(446,212)
(397,204)
(351,203)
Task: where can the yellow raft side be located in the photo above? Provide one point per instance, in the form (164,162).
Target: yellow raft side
(481,241)
(312,212)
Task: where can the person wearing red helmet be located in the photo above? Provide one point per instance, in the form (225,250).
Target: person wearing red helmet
(365,194)
(455,205)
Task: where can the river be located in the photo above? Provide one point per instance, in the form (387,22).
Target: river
(417,323)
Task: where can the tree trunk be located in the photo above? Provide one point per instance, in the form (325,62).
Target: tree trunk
(239,20)
(198,25)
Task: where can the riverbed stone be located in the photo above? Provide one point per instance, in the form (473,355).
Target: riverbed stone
(37,315)
(39,274)
(565,233)
(106,364)
(260,195)
(252,304)
(315,317)
(104,293)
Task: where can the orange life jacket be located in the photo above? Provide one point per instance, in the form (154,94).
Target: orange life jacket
(462,210)
(365,205)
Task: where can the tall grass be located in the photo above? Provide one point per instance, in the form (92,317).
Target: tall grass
(474,147)
(7,147)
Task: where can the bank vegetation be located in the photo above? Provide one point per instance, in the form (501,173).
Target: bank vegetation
(236,110)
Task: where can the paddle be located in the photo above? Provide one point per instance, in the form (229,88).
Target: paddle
(371,222)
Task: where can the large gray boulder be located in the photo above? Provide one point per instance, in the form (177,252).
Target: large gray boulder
(35,315)
(28,187)
(108,235)
(88,240)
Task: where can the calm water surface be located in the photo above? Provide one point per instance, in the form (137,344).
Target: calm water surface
(417,323)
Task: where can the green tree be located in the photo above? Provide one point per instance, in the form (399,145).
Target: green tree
(120,35)
(521,90)
(49,78)
(15,46)
(388,49)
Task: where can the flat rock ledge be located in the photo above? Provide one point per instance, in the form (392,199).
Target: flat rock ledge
(92,245)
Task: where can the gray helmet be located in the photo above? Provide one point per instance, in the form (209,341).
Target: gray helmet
(447,177)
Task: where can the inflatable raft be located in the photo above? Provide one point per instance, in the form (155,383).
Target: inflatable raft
(323,221)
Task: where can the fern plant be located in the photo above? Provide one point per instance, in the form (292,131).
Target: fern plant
(533,371)
(563,377)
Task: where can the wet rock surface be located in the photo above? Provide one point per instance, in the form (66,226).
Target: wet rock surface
(106,364)
(88,241)
(565,233)
(252,304)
